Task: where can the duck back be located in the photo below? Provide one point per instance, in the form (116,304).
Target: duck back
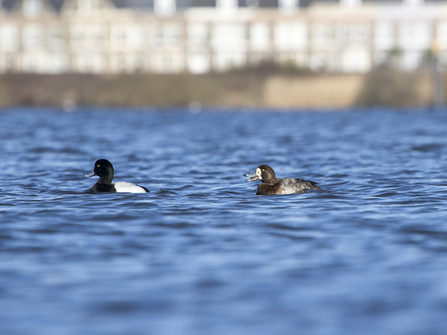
(287,186)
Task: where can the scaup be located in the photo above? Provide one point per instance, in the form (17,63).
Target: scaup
(104,170)
(272,185)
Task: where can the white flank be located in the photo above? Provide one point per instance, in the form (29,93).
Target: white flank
(125,187)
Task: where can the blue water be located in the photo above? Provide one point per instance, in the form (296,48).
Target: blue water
(201,253)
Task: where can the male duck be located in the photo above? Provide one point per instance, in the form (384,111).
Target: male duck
(272,185)
(104,170)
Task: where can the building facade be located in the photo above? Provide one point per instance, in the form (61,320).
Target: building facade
(96,36)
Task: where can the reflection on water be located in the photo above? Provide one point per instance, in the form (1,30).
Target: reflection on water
(201,254)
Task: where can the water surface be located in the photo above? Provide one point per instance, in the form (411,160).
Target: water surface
(201,253)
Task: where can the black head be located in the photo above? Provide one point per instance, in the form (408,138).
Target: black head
(103,169)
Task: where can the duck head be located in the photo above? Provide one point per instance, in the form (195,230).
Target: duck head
(104,170)
(263,173)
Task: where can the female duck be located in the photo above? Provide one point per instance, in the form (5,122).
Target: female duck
(104,170)
(272,185)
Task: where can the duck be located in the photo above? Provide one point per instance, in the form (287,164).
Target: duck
(272,185)
(104,170)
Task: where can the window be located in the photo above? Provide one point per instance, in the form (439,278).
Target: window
(228,60)
(135,36)
(118,35)
(77,35)
(384,35)
(172,34)
(197,34)
(317,61)
(97,36)
(159,36)
(411,60)
(353,34)
(356,61)
(321,34)
(415,35)
(259,36)
(167,63)
(226,35)
(55,38)
(138,63)
(31,36)
(58,63)
(290,36)
(9,62)
(8,38)
(94,35)
(198,62)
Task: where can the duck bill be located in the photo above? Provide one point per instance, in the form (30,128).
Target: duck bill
(253,176)
(90,174)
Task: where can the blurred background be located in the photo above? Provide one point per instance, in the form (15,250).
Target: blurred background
(201,254)
(274,53)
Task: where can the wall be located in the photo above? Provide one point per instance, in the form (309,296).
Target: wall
(231,89)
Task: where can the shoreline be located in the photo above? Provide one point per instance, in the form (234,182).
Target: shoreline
(217,109)
(243,89)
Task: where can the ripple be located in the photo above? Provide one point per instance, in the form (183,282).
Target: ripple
(421,231)
(386,194)
(182,225)
(286,227)
(293,237)
(427,147)
(202,251)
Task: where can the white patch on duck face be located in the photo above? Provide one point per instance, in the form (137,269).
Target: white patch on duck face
(258,173)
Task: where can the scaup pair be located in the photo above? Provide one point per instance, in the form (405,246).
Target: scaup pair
(269,183)
(272,185)
(104,170)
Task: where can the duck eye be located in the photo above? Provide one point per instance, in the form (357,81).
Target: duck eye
(97,165)
(263,169)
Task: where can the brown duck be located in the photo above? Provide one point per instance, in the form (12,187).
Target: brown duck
(272,185)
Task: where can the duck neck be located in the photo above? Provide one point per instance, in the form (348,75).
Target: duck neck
(107,180)
(271,182)
(271,179)
(104,181)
